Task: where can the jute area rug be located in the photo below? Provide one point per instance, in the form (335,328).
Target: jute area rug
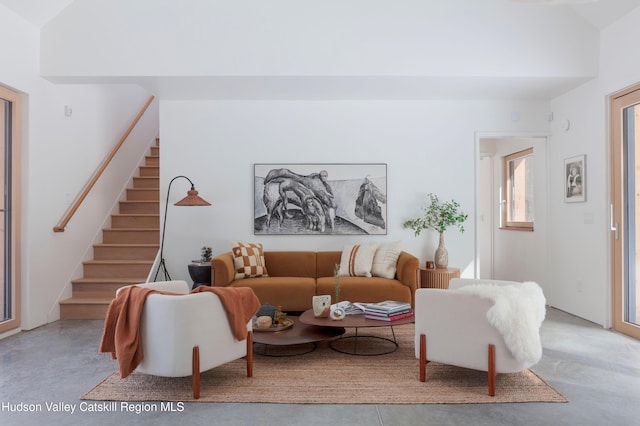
(325,376)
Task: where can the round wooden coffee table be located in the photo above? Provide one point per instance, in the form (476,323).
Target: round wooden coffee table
(356,321)
(298,334)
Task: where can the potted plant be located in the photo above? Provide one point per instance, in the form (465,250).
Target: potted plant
(205,254)
(438,216)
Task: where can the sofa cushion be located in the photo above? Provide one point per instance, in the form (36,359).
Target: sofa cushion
(326,262)
(248,260)
(366,290)
(291,263)
(293,294)
(385,259)
(356,260)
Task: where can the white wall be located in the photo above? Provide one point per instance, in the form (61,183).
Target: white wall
(485,221)
(579,255)
(580,231)
(59,156)
(428,146)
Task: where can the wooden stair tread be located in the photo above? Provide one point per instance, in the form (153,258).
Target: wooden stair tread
(86,301)
(136,214)
(132,229)
(115,280)
(126,245)
(117,261)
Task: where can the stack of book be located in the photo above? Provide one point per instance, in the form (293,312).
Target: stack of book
(388,310)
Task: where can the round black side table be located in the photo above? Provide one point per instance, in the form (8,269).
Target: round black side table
(200,274)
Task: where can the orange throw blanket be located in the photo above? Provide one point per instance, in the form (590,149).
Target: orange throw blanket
(121,335)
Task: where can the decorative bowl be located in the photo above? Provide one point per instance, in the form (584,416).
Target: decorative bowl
(264,322)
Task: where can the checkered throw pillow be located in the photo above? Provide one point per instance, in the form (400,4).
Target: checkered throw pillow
(248,260)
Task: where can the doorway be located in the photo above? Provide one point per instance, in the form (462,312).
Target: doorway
(625,210)
(10,112)
(516,253)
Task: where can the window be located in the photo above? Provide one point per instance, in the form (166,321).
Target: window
(517,196)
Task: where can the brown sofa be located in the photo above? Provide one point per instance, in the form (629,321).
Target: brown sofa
(296,276)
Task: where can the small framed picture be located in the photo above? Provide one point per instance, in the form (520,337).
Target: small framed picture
(575,183)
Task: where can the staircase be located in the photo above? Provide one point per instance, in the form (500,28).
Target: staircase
(128,247)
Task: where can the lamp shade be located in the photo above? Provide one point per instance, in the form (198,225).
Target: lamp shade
(192,199)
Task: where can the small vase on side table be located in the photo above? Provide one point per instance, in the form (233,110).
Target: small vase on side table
(441,256)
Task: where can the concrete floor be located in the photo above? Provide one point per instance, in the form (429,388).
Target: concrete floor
(597,369)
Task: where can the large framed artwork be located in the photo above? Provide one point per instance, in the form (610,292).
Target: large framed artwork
(320,199)
(575,182)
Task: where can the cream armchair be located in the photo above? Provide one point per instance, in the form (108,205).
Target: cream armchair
(484,325)
(186,335)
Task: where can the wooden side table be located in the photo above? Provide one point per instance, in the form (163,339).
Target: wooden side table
(437,278)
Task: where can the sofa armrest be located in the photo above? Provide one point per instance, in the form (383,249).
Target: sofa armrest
(407,272)
(223,270)
(456,283)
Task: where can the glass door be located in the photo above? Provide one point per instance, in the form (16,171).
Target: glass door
(625,211)
(631,219)
(9,209)
(5,131)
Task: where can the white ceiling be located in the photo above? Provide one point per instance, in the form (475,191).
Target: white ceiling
(599,13)
(38,12)
(604,12)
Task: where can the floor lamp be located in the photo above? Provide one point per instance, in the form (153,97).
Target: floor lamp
(192,199)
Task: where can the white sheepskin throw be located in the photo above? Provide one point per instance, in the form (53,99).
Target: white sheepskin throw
(517,314)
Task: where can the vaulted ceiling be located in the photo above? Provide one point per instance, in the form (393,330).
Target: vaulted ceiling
(599,13)
(336,50)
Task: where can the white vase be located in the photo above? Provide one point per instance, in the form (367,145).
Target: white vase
(441,255)
(321,305)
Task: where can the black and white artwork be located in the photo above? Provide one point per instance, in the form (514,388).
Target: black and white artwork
(575,179)
(320,199)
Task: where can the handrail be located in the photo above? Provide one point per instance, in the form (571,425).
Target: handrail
(65,220)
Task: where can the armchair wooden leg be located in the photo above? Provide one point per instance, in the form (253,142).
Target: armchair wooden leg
(250,354)
(423,358)
(195,372)
(491,370)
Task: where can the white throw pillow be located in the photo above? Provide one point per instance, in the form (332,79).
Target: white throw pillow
(356,260)
(385,260)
